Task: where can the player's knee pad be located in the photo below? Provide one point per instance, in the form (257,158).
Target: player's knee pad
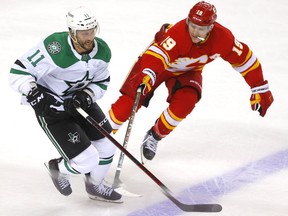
(183,101)
(86,160)
(104,147)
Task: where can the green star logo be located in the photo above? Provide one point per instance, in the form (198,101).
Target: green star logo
(74,137)
(77,85)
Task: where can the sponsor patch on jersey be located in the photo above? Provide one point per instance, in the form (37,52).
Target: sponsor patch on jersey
(54,47)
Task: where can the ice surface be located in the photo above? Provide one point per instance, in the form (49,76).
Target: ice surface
(223,152)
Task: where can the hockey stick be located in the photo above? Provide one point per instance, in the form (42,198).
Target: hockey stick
(117,182)
(164,189)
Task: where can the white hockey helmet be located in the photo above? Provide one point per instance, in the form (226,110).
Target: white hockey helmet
(81,18)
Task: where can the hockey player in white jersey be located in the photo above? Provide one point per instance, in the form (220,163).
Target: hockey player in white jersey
(67,70)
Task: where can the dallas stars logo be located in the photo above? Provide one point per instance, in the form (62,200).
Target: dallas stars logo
(74,137)
(77,85)
(54,47)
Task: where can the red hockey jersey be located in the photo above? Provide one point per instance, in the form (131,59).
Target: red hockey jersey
(178,54)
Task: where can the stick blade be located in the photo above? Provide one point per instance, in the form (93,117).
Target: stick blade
(200,207)
(126,193)
(118,186)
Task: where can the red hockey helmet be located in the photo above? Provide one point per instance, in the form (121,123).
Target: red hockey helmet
(203,14)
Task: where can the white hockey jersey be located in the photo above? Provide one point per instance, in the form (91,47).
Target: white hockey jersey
(55,65)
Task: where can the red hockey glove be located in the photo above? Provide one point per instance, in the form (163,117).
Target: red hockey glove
(160,34)
(261,98)
(148,80)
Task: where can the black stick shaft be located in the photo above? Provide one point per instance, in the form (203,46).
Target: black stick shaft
(165,190)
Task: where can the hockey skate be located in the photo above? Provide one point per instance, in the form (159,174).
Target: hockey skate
(149,145)
(101,192)
(60,180)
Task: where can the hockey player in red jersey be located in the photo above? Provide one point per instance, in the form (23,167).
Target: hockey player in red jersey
(177,58)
